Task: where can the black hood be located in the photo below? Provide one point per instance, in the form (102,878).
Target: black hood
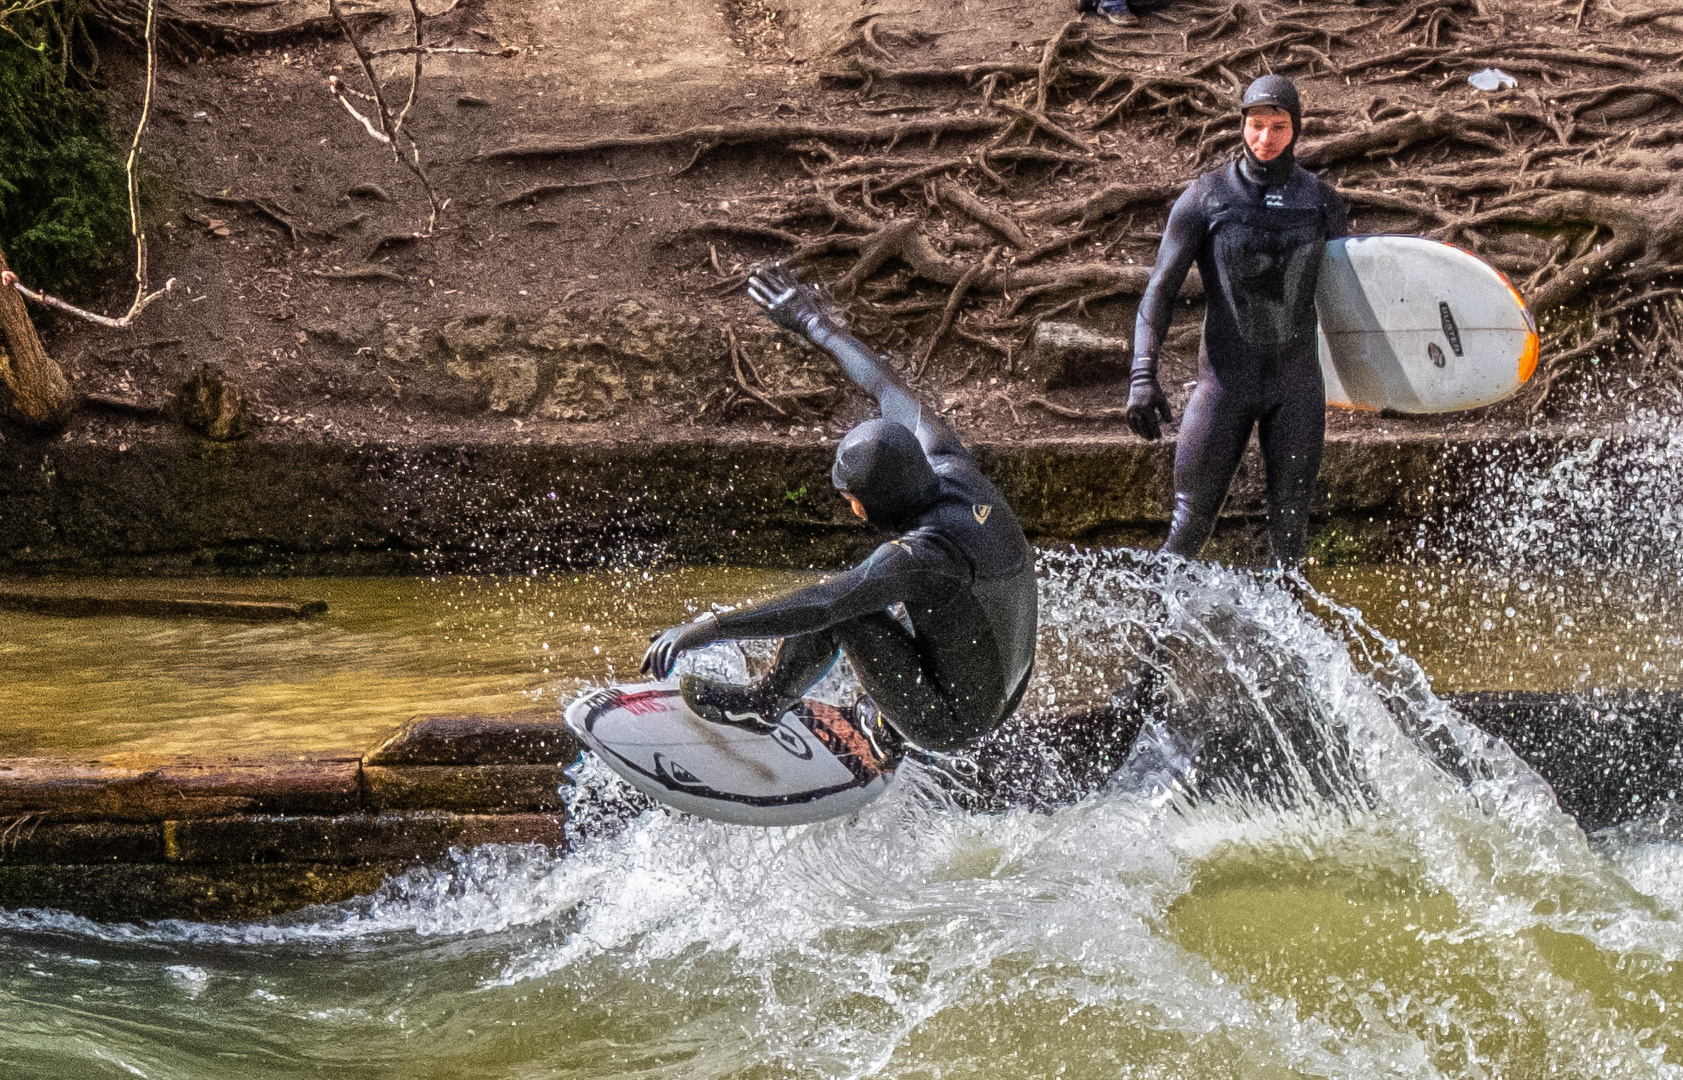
(1279,92)
(881,464)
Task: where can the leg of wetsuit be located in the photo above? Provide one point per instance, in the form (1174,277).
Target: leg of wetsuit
(889,666)
(1293,436)
(802,659)
(894,673)
(1212,439)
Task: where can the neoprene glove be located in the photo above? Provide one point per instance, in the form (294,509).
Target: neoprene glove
(791,305)
(1148,406)
(663,653)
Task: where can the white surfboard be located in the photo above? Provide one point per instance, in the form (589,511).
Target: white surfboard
(820,761)
(1419,326)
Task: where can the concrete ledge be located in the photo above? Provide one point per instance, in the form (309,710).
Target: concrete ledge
(350,840)
(502,789)
(97,791)
(160,891)
(135,839)
(206,840)
(30,841)
(531,736)
(473,499)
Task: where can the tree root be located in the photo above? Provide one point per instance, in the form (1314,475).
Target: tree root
(1627,100)
(189,34)
(1068,413)
(1630,240)
(979,211)
(1106,202)
(1393,136)
(533,194)
(274,212)
(1419,59)
(712,136)
(736,361)
(1649,15)
(1235,16)
(360,273)
(954,301)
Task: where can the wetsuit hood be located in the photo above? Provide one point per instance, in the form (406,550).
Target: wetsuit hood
(882,464)
(1275,92)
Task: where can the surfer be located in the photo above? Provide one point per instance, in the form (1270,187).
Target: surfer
(1256,229)
(959,564)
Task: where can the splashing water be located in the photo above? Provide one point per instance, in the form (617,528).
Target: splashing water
(1608,504)
(1309,867)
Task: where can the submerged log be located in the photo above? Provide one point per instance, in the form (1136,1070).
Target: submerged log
(151,601)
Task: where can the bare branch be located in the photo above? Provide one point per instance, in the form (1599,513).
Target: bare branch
(390,127)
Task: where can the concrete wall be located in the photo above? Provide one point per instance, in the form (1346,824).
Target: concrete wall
(165,500)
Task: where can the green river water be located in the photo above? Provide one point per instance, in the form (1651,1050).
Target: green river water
(1403,899)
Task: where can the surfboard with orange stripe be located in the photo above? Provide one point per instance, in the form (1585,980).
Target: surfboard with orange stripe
(1419,326)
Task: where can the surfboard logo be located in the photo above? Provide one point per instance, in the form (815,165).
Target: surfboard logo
(1450,330)
(673,774)
(1436,354)
(788,738)
(980,512)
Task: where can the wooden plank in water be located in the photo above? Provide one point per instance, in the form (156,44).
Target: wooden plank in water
(153,602)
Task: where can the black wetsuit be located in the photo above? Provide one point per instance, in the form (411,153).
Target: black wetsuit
(1257,233)
(961,566)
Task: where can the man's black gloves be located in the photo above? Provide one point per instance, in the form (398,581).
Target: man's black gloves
(791,305)
(663,654)
(1148,406)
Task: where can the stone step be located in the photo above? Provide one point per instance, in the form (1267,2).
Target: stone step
(132,838)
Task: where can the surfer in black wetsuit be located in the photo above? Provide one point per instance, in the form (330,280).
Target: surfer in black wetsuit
(959,564)
(1257,230)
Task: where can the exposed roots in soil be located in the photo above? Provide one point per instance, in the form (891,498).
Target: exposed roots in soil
(1004,190)
(184,33)
(1029,210)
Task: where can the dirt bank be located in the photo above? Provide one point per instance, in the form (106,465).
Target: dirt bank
(586,269)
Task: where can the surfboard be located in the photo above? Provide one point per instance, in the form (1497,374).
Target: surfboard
(1419,326)
(819,762)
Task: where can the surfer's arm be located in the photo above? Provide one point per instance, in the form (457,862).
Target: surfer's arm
(796,308)
(1175,256)
(893,574)
(1336,212)
(1148,406)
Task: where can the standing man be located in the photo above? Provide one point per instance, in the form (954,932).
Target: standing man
(958,563)
(1257,229)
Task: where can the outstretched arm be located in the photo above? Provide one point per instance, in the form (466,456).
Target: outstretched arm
(892,574)
(796,308)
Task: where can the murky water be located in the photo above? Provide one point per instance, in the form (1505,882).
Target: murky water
(391,648)
(387,649)
(1396,896)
